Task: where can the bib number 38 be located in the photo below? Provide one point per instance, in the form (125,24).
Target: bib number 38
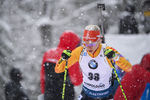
(94,76)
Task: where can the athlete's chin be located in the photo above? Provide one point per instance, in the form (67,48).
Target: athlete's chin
(90,51)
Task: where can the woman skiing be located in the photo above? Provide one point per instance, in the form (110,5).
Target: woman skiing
(95,62)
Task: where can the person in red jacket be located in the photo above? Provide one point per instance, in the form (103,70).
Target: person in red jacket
(52,83)
(134,82)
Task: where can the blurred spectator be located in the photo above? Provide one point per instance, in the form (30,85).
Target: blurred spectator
(146,13)
(146,93)
(134,82)
(128,24)
(51,82)
(14,89)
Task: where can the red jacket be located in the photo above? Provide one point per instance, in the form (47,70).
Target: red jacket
(68,40)
(134,82)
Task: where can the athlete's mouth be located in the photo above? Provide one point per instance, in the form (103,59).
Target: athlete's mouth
(90,51)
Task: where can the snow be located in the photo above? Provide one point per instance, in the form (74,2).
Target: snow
(22,42)
(132,47)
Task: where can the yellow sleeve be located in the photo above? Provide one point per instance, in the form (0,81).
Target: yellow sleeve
(120,61)
(75,55)
(124,64)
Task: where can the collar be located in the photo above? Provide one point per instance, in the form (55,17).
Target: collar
(96,53)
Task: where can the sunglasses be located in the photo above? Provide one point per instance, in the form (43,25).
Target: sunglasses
(90,45)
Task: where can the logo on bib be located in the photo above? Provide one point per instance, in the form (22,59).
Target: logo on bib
(93,64)
(84,54)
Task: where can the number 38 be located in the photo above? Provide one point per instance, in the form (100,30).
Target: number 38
(94,76)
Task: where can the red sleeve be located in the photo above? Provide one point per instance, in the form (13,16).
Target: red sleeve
(75,74)
(42,77)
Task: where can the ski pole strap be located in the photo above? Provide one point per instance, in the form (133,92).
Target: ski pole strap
(119,82)
(64,84)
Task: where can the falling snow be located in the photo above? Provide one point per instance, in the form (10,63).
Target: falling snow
(21,40)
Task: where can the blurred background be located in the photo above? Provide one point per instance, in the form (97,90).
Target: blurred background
(28,28)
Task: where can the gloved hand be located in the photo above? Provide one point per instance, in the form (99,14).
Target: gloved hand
(109,53)
(66,54)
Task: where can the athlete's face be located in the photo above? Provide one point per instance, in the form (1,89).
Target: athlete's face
(91,46)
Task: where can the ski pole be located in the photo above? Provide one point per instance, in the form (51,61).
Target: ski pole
(64,84)
(119,82)
(101,7)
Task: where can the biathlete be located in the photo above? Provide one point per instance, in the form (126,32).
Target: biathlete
(96,64)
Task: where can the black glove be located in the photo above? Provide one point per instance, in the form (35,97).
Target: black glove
(66,54)
(109,53)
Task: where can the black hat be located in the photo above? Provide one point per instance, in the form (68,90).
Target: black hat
(16,74)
